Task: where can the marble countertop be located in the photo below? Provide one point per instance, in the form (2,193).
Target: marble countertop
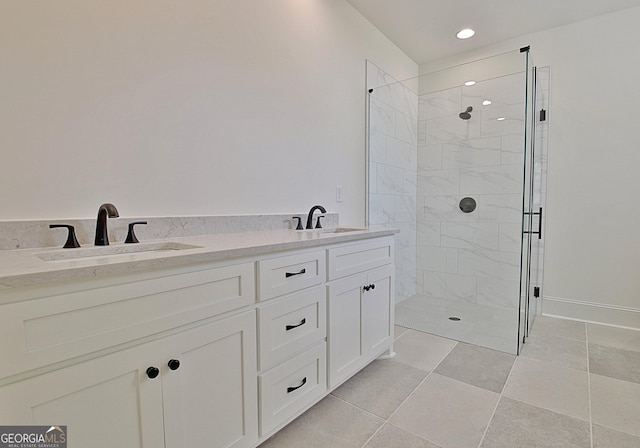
(27,267)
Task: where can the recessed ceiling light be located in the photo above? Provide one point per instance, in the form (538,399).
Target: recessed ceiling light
(469,83)
(486,102)
(501,118)
(465,33)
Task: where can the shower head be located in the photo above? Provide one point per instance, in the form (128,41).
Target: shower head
(466,115)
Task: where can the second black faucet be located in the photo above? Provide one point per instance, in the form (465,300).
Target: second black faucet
(310,216)
(110,210)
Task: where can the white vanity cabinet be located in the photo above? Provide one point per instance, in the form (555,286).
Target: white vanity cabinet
(194,388)
(216,354)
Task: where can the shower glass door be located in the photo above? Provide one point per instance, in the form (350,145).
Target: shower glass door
(534,195)
(526,314)
(446,165)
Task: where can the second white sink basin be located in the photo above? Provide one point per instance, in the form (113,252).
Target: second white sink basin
(111,251)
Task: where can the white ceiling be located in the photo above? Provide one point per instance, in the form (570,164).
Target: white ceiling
(425,29)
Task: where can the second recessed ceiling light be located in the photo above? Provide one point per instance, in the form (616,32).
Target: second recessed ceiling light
(465,33)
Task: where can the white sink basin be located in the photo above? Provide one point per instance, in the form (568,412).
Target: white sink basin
(111,251)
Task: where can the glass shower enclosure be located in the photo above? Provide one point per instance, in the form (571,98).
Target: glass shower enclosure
(456,159)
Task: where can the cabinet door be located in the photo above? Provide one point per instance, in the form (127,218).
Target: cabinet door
(377,312)
(345,328)
(106,402)
(360,321)
(211,399)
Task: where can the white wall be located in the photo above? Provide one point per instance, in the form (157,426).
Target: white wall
(593,237)
(185,108)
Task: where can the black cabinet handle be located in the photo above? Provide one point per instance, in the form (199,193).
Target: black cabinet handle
(368,287)
(173,364)
(291,274)
(373,286)
(291,327)
(291,389)
(153,372)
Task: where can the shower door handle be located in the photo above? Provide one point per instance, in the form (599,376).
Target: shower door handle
(539,232)
(540,223)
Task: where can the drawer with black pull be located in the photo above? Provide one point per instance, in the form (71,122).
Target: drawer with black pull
(289,273)
(291,387)
(288,326)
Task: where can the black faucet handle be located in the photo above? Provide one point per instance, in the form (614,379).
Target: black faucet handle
(72,241)
(131,234)
(318,225)
(299,226)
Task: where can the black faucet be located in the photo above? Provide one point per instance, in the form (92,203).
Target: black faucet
(110,210)
(310,216)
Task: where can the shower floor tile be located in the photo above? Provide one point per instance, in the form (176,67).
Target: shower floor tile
(491,327)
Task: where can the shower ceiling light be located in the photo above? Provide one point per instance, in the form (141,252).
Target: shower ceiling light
(486,102)
(465,33)
(469,83)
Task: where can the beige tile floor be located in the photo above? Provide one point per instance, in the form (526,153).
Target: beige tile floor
(575,385)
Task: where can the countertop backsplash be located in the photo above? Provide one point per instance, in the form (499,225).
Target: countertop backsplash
(36,233)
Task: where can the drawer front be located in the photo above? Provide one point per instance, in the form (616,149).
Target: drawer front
(291,387)
(55,328)
(290,325)
(282,275)
(359,257)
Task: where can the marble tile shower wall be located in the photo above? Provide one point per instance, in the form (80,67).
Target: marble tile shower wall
(471,256)
(393,117)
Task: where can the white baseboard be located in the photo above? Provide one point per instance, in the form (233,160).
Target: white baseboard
(591,312)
